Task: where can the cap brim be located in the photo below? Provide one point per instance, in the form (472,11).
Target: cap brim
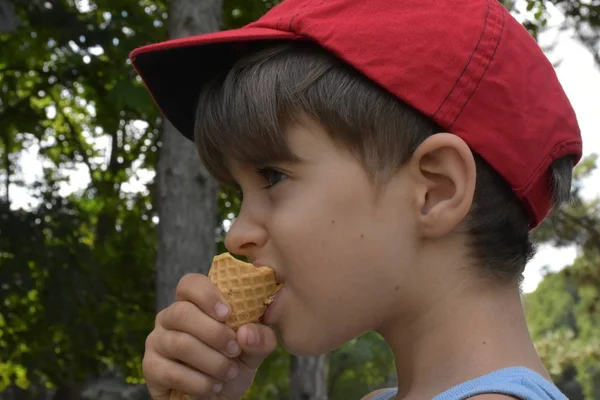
(175,70)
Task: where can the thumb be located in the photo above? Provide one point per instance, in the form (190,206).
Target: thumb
(256,342)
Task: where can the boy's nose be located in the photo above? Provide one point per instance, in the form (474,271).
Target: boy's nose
(245,237)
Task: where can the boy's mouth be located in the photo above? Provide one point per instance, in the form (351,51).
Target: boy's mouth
(278,278)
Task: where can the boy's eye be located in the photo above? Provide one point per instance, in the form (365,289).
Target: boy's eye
(271,176)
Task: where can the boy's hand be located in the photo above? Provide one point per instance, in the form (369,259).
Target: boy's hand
(192,350)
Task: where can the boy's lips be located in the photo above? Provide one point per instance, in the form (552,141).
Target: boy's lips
(278,278)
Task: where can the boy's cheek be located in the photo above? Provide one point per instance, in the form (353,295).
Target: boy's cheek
(301,227)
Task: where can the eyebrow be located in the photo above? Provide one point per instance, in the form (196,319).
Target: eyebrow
(264,160)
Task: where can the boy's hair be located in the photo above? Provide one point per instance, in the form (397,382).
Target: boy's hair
(244,111)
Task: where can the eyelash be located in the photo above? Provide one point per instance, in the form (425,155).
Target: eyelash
(267,173)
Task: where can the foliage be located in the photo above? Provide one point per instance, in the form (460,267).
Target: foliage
(564,311)
(80,298)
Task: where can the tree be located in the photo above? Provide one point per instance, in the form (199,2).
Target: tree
(564,312)
(8,17)
(187,195)
(309,377)
(68,261)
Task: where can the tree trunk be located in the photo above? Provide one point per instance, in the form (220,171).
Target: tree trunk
(7,165)
(187,194)
(309,378)
(8,17)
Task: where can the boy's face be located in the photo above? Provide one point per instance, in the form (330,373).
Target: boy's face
(342,246)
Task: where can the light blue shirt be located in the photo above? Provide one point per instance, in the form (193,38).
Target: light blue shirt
(518,382)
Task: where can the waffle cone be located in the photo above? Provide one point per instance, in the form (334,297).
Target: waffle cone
(247,289)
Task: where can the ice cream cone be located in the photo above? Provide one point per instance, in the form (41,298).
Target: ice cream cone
(247,289)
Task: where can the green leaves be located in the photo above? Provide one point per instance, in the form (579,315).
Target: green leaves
(564,312)
(85,299)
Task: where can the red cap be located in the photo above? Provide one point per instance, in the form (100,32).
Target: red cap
(468,65)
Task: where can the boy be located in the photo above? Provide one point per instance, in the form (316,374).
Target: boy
(393,157)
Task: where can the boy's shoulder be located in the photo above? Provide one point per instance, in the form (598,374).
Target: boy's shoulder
(375,393)
(491,396)
(504,384)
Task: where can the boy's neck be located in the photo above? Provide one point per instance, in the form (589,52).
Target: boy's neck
(469,331)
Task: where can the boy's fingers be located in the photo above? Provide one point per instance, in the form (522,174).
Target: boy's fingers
(198,289)
(170,374)
(184,316)
(257,342)
(197,355)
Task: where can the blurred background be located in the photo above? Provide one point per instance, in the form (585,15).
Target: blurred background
(103,207)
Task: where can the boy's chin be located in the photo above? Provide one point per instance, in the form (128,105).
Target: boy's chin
(299,345)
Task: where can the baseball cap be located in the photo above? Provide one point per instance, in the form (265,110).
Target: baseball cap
(466,64)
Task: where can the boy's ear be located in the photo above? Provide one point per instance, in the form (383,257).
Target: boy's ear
(444,171)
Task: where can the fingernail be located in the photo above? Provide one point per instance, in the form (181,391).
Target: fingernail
(252,338)
(232,373)
(222,310)
(218,387)
(232,348)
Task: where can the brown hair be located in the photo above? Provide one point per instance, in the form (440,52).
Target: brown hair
(243,112)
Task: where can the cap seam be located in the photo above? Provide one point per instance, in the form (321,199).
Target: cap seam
(472,73)
(300,10)
(289,13)
(487,66)
(468,61)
